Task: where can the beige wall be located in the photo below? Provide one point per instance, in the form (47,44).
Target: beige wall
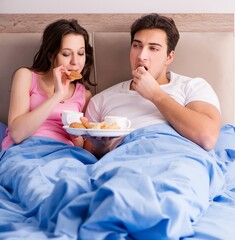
(117,6)
(186,22)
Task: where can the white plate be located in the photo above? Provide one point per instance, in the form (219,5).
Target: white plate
(75,131)
(108,132)
(98,132)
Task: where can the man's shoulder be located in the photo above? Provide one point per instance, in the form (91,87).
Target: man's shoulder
(176,76)
(179,78)
(115,88)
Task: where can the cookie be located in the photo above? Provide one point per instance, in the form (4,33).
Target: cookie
(74,76)
(76,125)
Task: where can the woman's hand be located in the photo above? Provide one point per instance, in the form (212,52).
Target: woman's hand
(61,81)
(78,141)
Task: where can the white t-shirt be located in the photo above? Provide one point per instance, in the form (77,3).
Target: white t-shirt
(119,100)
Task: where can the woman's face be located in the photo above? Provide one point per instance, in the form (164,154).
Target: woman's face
(72,53)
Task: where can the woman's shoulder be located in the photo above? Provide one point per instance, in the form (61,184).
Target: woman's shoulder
(23,70)
(22,73)
(22,76)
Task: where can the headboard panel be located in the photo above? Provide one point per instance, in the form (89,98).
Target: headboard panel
(17,50)
(112,56)
(205,49)
(209,55)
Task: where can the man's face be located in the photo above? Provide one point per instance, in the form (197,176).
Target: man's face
(149,49)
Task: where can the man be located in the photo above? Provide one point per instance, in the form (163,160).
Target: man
(160,179)
(155,95)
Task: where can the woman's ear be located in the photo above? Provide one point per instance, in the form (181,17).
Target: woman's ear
(50,57)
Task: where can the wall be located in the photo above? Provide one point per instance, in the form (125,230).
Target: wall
(117,6)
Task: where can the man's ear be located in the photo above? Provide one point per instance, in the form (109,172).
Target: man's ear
(170,57)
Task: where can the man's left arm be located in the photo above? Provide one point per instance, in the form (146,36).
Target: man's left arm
(198,121)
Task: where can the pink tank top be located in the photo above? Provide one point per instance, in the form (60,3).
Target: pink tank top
(52,127)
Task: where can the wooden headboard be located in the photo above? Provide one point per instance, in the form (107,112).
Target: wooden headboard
(35,23)
(205,49)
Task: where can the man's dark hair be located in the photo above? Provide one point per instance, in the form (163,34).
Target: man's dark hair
(156,21)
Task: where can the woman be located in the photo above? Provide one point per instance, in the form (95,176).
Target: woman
(37,152)
(40,93)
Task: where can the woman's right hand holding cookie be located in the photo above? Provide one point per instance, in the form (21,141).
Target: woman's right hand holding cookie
(61,81)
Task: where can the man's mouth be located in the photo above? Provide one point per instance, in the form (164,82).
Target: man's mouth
(143,66)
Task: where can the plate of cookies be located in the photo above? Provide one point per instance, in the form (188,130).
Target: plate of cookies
(101,129)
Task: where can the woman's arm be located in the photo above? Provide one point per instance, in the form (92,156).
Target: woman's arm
(88,96)
(22,122)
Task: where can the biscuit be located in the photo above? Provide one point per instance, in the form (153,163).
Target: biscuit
(74,76)
(85,122)
(100,125)
(76,125)
(87,125)
(113,125)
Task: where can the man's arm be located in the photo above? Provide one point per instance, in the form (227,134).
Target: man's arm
(198,121)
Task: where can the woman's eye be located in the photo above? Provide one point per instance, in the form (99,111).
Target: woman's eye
(65,54)
(68,54)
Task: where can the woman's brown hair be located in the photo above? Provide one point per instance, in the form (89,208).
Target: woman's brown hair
(51,43)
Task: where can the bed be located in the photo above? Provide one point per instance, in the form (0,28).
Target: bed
(71,195)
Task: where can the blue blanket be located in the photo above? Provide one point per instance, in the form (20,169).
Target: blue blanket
(155,185)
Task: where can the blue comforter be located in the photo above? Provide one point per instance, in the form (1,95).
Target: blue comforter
(155,185)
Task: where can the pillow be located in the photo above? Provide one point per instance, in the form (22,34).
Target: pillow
(3,128)
(225,147)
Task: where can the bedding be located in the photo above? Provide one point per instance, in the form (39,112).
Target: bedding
(155,185)
(68,194)
(3,128)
